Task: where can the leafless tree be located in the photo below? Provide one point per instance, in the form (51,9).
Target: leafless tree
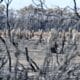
(39,3)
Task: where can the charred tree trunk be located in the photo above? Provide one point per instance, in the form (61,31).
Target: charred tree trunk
(8,25)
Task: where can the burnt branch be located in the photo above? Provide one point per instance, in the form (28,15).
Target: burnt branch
(75,8)
(8,53)
(63,43)
(32,64)
(3,61)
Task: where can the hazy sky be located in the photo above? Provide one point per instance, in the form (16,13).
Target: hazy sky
(17,4)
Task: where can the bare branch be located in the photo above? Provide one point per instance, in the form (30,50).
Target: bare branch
(33,65)
(8,53)
(75,8)
(4,61)
(8,1)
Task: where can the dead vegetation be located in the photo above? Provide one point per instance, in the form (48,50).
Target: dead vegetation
(58,61)
(40,55)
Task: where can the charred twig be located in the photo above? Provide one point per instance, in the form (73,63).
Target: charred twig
(63,43)
(75,7)
(31,62)
(3,61)
(8,53)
